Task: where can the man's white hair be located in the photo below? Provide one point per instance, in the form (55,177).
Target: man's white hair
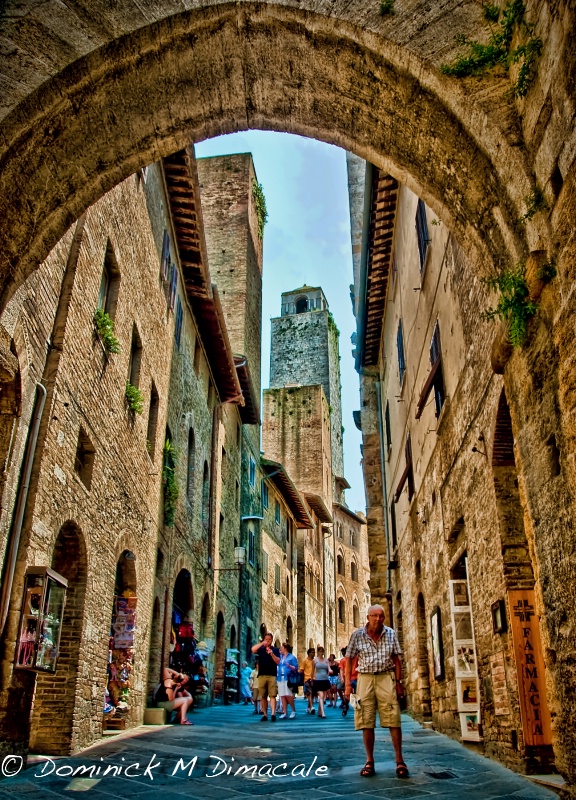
(376,607)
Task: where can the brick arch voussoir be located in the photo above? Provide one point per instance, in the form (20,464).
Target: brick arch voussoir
(246,65)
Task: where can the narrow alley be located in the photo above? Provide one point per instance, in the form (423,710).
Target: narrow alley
(226,738)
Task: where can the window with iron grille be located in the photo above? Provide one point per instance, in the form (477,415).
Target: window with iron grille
(400,346)
(422,232)
(435,380)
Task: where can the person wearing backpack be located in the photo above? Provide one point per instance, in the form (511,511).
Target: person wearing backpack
(287,674)
(166,695)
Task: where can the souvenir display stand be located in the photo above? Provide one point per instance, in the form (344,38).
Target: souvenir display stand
(41,620)
(231,676)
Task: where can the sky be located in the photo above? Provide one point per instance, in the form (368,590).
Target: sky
(306,240)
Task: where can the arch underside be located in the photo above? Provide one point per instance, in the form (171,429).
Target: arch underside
(234,67)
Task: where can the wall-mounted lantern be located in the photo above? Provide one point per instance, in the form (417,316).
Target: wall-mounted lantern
(41,620)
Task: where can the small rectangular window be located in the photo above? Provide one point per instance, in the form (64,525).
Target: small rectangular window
(135,358)
(197,355)
(252,472)
(109,283)
(264,566)
(277,578)
(178,324)
(393,532)
(264,495)
(422,232)
(152,422)
(165,260)
(251,547)
(277,512)
(84,460)
(400,347)
(388,426)
(173,285)
(237,494)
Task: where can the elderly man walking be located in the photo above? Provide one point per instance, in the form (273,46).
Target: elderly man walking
(379,685)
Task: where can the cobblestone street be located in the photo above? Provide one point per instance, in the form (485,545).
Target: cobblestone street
(224,738)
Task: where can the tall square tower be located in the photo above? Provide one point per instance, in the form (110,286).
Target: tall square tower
(305,352)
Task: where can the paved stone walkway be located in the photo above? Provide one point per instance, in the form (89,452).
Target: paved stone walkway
(225,738)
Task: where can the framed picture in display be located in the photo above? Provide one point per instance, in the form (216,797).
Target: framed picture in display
(460,596)
(499,616)
(437,646)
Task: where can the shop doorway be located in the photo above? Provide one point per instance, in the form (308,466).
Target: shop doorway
(183,639)
(52,723)
(219,658)
(118,707)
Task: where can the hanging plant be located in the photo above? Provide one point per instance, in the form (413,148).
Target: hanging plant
(170,486)
(134,398)
(105,329)
(514,305)
(260,205)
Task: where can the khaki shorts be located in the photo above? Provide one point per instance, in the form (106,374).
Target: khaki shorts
(377,692)
(267,686)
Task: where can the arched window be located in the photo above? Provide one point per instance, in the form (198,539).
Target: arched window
(340,564)
(356,616)
(205,497)
(341,610)
(354,571)
(190,471)
(352,537)
(301,305)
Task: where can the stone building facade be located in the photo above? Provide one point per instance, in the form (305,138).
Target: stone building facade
(134,496)
(449,551)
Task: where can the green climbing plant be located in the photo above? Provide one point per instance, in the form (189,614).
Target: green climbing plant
(479,57)
(105,329)
(169,484)
(535,202)
(514,305)
(260,205)
(387,8)
(134,398)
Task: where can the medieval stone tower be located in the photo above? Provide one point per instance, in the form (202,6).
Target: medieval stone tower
(304,352)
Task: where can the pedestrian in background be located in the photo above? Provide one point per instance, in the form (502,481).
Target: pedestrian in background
(245,690)
(254,685)
(268,660)
(379,685)
(307,668)
(321,683)
(288,666)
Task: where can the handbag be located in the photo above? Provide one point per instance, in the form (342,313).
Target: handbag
(295,679)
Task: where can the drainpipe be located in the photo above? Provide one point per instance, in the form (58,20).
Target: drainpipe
(167,616)
(214,461)
(384,487)
(8,579)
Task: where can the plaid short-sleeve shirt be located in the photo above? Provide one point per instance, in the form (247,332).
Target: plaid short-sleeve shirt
(374,656)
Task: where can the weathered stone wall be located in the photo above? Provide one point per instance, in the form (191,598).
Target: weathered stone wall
(279,605)
(349,539)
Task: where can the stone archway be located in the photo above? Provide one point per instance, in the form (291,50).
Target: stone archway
(374,89)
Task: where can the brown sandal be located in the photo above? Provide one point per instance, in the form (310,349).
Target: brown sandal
(368,770)
(402,770)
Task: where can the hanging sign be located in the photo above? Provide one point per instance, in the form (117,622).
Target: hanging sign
(529,667)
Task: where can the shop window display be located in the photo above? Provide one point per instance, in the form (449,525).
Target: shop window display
(41,620)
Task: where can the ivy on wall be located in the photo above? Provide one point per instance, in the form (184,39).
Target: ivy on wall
(498,51)
(260,205)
